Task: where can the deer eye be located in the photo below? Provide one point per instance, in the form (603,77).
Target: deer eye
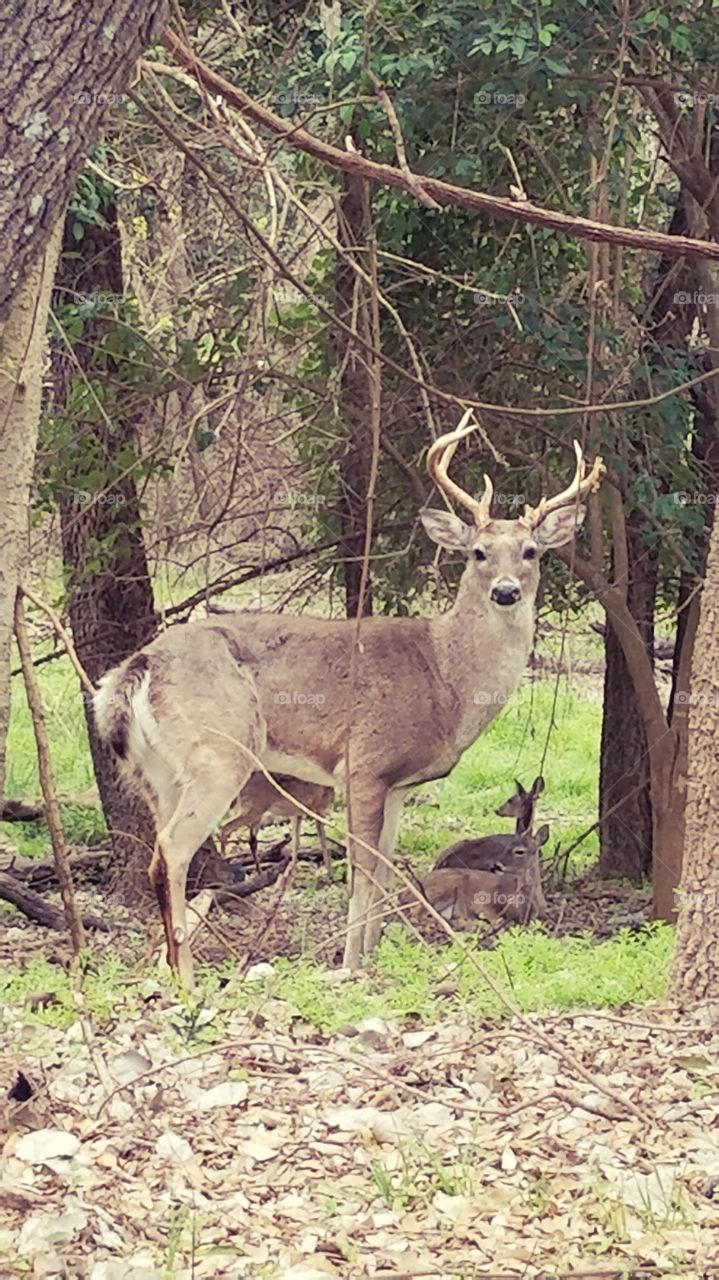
(530,554)
(479,554)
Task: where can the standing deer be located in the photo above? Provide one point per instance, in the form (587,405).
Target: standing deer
(190,715)
(260,798)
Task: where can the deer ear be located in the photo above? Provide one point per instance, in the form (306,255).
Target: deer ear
(542,835)
(559,527)
(447,530)
(538,786)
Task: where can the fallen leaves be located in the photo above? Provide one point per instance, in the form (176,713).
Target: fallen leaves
(383,1150)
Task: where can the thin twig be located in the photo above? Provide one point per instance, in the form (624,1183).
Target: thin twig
(52,808)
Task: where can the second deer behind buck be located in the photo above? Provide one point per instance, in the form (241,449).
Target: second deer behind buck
(259,799)
(191,713)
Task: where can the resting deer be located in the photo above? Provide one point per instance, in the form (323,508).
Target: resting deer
(461,896)
(517,854)
(189,716)
(521,806)
(259,799)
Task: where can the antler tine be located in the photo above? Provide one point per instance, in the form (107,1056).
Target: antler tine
(581,485)
(440,455)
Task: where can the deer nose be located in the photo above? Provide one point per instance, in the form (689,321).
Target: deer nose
(505,592)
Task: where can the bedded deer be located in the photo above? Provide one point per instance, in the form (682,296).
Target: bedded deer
(461,896)
(260,799)
(517,854)
(521,805)
(192,714)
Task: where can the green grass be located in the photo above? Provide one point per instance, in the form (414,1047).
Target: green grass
(406,982)
(72,765)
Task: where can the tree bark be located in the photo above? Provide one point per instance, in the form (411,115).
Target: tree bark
(110,599)
(696,964)
(21,364)
(63,65)
(356,456)
(624,799)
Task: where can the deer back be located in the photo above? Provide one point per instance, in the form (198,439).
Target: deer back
(487,853)
(461,896)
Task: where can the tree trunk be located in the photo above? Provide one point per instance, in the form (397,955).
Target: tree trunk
(109,590)
(624,798)
(355,459)
(61,67)
(53,59)
(23,349)
(696,963)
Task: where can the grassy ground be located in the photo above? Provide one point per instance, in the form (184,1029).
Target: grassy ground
(537,970)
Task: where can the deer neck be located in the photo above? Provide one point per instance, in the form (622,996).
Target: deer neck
(482,652)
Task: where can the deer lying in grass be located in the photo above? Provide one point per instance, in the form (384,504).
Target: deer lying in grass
(259,799)
(521,806)
(191,714)
(517,854)
(461,896)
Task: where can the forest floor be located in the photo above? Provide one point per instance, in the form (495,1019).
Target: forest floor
(528,1107)
(231,1135)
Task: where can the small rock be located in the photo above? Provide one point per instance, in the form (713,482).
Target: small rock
(258,972)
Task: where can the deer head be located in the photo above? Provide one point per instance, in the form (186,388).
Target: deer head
(521,805)
(503,555)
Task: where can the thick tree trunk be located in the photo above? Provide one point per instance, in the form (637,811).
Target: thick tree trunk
(109,590)
(355,459)
(696,965)
(624,799)
(21,366)
(63,64)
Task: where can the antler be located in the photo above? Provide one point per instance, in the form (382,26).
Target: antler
(438,459)
(581,485)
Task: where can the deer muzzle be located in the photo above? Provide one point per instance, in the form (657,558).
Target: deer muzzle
(506,592)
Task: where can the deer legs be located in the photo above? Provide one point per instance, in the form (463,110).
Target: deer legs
(376,817)
(197,812)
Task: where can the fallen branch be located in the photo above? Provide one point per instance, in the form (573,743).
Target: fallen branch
(20,811)
(34,872)
(36,908)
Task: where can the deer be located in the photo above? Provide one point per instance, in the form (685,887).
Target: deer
(518,853)
(521,805)
(460,896)
(372,707)
(260,798)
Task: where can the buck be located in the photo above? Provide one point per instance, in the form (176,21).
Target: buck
(192,715)
(260,798)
